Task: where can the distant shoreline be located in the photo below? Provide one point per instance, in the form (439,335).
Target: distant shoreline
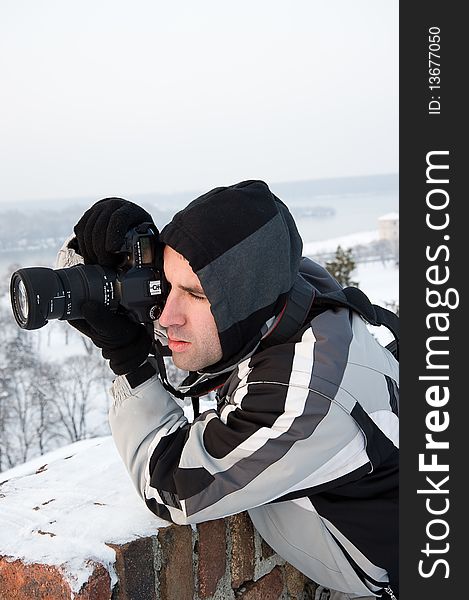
(287,190)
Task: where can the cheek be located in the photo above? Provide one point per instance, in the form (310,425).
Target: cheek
(206,322)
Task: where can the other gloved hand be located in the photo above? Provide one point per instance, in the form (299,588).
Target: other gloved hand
(124,343)
(101,230)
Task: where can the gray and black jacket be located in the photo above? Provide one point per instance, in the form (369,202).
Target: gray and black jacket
(305,433)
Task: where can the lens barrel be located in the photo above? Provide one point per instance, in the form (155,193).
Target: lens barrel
(39,294)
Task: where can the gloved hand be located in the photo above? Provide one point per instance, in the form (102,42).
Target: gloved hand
(101,230)
(124,343)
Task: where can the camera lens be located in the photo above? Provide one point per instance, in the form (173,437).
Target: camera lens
(39,294)
(20,301)
(23,304)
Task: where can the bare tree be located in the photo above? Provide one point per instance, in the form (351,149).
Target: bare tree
(44,404)
(25,413)
(74,396)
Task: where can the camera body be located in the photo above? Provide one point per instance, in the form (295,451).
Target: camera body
(140,285)
(136,287)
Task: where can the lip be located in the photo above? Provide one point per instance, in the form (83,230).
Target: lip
(178,345)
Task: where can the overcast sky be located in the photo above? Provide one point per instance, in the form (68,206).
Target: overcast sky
(114,97)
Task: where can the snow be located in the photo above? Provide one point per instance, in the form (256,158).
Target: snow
(380,282)
(57,341)
(67,512)
(346,241)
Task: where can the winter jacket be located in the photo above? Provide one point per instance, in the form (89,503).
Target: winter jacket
(305,433)
(304,437)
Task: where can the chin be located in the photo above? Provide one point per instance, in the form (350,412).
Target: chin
(185,364)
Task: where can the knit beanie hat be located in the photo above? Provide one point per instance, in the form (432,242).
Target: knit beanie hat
(243,244)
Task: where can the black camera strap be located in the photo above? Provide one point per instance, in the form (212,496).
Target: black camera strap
(141,374)
(160,351)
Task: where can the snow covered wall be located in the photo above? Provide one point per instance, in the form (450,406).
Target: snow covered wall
(73,527)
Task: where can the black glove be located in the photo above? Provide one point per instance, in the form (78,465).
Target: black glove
(101,230)
(124,343)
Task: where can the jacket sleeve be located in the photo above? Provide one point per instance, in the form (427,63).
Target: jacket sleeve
(66,256)
(270,439)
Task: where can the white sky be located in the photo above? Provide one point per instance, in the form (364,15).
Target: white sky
(118,97)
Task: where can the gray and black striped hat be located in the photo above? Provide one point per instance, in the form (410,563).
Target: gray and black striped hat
(243,244)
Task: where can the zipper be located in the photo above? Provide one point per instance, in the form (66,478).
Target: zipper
(389,591)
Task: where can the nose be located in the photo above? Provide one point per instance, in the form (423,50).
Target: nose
(172,314)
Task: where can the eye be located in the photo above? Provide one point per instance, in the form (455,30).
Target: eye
(196,297)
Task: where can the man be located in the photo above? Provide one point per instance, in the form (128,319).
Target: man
(304,436)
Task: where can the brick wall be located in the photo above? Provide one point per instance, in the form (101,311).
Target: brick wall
(218,560)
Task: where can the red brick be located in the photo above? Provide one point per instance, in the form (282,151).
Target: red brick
(98,586)
(176,575)
(19,581)
(212,556)
(242,549)
(269,587)
(135,570)
(295,581)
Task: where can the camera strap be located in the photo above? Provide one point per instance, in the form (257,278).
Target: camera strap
(160,351)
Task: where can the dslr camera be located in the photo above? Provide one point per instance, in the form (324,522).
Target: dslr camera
(136,287)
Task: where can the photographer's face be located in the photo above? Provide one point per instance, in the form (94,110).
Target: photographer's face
(190,326)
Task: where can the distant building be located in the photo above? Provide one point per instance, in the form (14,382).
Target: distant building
(388,227)
(388,231)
